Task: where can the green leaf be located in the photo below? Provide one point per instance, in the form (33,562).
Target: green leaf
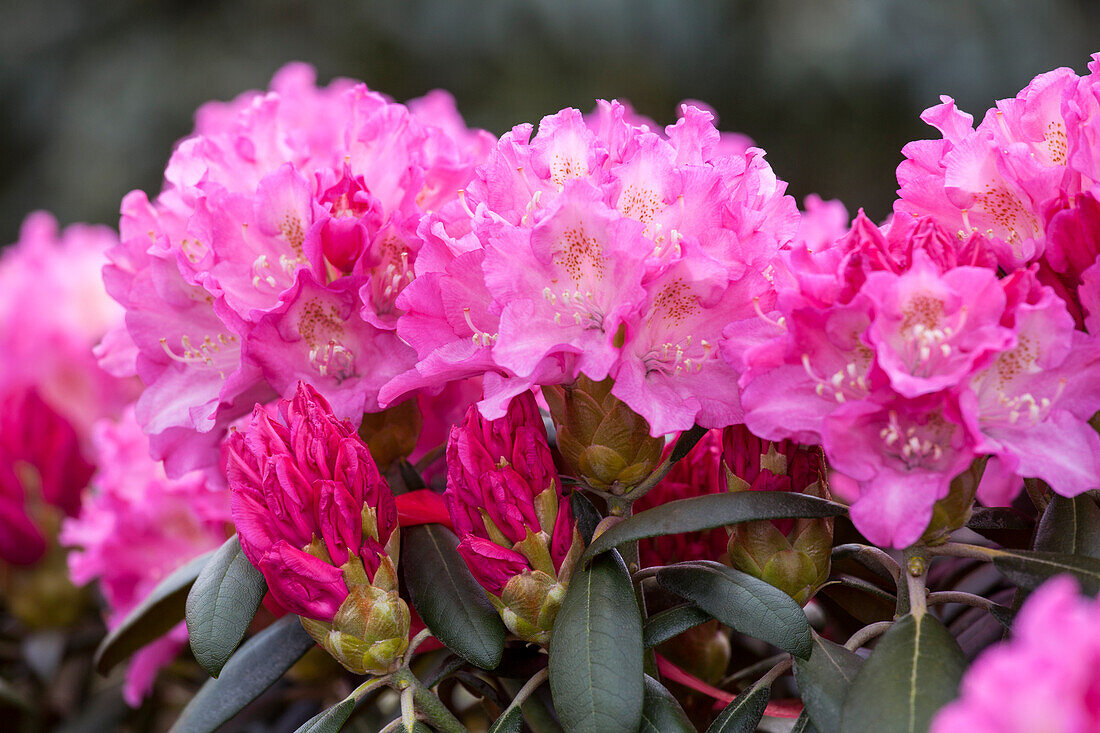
(823,681)
(914,671)
(992,518)
(1003,615)
(446,595)
(660,711)
(1029,569)
(256,666)
(221,605)
(1070,526)
(803,724)
(586,514)
(710,511)
(660,627)
(511,721)
(685,443)
(154,617)
(596,651)
(744,713)
(742,602)
(331,720)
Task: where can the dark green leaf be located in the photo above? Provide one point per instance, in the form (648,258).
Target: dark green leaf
(823,681)
(914,671)
(987,518)
(660,627)
(256,666)
(660,711)
(331,720)
(686,442)
(586,515)
(596,651)
(744,713)
(742,602)
(511,721)
(1070,526)
(710,511)
(221,605)
(445,594)
(803,724)
(154,617)
(1003,614)
(1030,569)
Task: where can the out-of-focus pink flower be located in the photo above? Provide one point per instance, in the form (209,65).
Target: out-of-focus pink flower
(134,529)
(600,248)
(1045,678)
(285,232)
(515,526)
(696,474)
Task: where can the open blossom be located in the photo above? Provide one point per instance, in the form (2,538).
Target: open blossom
(315,516)
(599,248)
(904,356)
(515,526)
(134,529)
(276,251)
(1045,678)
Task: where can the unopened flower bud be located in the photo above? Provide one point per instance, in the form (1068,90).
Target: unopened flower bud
(369,633)
(392,433)
(604,443)
(516,530)
(790,554)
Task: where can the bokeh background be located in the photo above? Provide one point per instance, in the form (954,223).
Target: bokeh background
(93,93)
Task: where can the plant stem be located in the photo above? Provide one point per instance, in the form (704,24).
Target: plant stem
(417,640)
(887,563)
(864,635)
(524,692)
(916,570)
(360,692)
(959,549)
(623,506)
(408,709)
(958,596)
(775,672)
(427,703)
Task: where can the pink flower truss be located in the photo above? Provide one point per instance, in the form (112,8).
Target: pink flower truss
(135,528)
(696,474)
(901,353)
(599,248)
(302,480)
(276,251)
(495,471)
(1046,677)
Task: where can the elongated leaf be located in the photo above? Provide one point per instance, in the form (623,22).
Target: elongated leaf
(803,724)
(686,442)
(1070,526)
(256,666)
(221,605)
(445,594)
(914,670)
(987,518)
(710,511)
(511,721)
(660,711)
(823,681)
(1030,569)
(154,617)
(596,651)
(331,720)
(744,713)
(742,602)
(586,514)
(660,627)
(1003,614)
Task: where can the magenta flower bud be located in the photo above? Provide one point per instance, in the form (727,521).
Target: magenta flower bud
(315,516)
(506,503)
(791,554)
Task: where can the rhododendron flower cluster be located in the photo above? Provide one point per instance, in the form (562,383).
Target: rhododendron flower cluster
(276,251)
(134,529)
(316,517)
(1046,677)
(903,354)
(515,525)
(604,249)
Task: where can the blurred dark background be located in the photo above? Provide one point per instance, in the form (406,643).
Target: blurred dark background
(94,92)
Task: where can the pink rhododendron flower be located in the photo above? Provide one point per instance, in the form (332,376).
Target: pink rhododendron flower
(599,248)
(134,529)
(515,525)
(696,474)
(901,353)
(1046,677)
(276,251)
(309,503)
